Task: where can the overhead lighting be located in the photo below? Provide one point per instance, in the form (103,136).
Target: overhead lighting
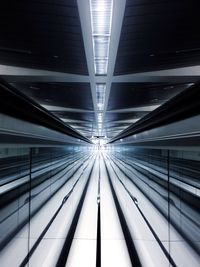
(100,95)
(101,19)
(100,117)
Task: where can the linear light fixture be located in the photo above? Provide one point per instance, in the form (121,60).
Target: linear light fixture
(101,19)
(100,117)
(100,96)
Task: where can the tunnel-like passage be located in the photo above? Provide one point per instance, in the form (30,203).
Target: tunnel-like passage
(99,133)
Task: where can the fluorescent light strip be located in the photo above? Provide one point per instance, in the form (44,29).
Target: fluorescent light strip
(100,96)
(100,117)
(101,19)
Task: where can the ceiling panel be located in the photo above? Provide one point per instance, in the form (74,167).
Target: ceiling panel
(58,97)
(46,34)
(42,35)
(59,94)
(129,95)
(116,116)
(158,35)
(84,116)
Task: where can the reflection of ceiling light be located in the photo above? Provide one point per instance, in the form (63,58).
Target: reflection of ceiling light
(101,18)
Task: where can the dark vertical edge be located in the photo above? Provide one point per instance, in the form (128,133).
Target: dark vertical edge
(98,245)
(29,201)
(98,249)
(168,197)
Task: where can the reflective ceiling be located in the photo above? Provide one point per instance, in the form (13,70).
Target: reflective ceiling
(100,65)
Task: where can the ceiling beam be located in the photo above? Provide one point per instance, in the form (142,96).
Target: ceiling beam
(65,109)
(71,121)
(134,109)
(177,75)
(124,121)
(17,74)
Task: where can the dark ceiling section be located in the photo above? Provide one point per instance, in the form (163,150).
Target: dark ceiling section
(47,35)
(84,122)
(42,34)
(86,116)
(130,102)
(130,95)
(157,35)
(68,95)
(65,100)
(115,116)
(115,122)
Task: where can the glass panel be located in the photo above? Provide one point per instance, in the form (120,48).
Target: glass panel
(14,204)
(184,207)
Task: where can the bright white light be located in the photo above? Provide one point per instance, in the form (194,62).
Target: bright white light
(100,5)
(100,106)
(101,19)
(95,141)
(100,95)
(102,142)
(100,117)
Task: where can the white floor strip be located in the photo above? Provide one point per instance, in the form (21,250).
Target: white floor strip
(83,250)
(113,246)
